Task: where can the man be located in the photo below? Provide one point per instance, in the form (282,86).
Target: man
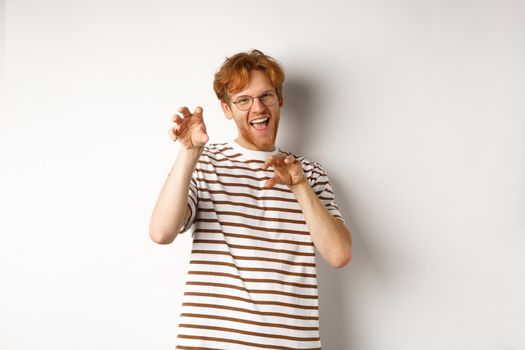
(259,214)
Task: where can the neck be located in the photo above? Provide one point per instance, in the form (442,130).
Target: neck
(253,147)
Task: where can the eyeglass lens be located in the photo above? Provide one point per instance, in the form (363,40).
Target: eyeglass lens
(245,102)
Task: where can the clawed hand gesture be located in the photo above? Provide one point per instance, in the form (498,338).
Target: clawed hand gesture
(288,171)
(190,129)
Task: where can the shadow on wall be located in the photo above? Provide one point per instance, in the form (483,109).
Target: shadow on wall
(339,294)
(342,292)
(338,288)
(297,132)
(297,115)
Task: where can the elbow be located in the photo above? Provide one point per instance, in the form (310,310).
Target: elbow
(161,238)
(341,260)
(342,255)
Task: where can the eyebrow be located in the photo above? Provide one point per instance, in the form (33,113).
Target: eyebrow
(262,93)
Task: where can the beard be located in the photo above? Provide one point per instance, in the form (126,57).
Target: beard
(265,142)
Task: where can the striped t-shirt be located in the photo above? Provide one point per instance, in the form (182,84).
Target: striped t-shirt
(252,279)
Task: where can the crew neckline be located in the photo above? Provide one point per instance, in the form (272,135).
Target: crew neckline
(251,154)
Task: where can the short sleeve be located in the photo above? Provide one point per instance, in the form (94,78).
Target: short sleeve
(321,185)
(193,201)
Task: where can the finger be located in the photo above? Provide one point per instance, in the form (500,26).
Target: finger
(274,160)
(273,181)
(268,162)
(289,160)
(172,135)
(198,110)
(185,112)
(177,119)
(278,160)
(178,130)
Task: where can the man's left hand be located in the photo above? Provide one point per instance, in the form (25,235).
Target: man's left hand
(288,171)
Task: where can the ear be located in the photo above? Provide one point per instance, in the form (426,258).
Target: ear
(227,110)
(281,100)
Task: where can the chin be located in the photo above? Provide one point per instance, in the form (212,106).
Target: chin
(266,142)
(261,143)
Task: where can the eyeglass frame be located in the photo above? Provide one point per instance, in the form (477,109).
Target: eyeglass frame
(252,98)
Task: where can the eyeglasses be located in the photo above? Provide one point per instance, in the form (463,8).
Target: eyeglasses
(245,102)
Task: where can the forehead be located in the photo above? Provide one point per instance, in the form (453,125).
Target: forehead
(259,82)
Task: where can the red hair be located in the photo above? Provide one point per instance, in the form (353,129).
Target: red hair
(234,73)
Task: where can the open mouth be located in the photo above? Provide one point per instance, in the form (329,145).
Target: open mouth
(260,124)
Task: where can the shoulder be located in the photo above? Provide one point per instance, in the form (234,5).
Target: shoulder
(312,170)
(219,154)
(215,148)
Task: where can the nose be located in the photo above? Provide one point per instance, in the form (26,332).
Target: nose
(257,105)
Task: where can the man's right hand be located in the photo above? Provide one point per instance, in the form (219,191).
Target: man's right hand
(190,129)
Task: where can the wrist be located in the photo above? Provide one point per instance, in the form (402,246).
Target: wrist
(192,152)
(187,158)
(299,187)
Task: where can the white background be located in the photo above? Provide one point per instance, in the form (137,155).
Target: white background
(415,109)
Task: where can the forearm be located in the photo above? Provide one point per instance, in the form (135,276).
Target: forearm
(329,235)
(170,209)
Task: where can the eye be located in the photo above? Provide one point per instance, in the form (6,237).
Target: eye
(268,97)
(242,100)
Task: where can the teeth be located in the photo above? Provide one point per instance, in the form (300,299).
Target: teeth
(260,120)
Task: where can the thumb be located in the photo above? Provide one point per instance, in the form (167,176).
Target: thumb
(271,182)
(204,137)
